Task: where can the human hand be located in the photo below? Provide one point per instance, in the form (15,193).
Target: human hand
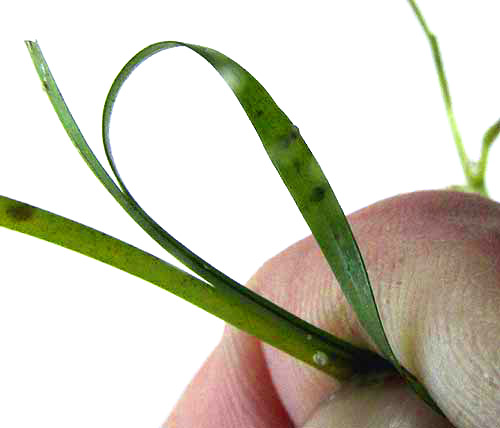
(434,262)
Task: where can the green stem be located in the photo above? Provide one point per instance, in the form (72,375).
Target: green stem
(464,160)
(489,137)
(474,172)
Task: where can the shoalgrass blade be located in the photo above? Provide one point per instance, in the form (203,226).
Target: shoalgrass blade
(230,307)
(303,177)
(282,329)
(300,173)
(298,169)
(59,230)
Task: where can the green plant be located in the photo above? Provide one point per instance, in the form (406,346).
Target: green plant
(221,295)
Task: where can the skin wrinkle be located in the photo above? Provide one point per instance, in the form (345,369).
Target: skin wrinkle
(454,313)
(329,301)
(388,276)
(232,350)
(300,378)
(243,393)
(251,396)
(383,271)
(429,251)
(232,394)
(479,355)
(281,366)
(430,315)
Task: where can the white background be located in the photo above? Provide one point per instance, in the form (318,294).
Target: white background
(85,345)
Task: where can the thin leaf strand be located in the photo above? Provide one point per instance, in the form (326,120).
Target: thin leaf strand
(303,178)
(298,338)
(489,137)
(264,324)
(436,54)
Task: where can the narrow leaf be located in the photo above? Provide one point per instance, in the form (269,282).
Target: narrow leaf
(297,167)
(301,174)
(254,319)
(282,329)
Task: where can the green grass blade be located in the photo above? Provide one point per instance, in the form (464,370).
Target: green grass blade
(287,332)
(59,230)
(301,174)
(303,178)
(299,170)
(264,324)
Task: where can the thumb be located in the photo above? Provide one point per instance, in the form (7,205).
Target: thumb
(434,263)
(442,253)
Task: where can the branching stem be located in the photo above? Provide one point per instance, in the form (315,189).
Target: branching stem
(474,171)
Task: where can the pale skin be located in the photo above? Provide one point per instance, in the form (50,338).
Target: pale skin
(434,262)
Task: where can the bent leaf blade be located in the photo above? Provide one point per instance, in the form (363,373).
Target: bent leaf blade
(301,174)
(244,308)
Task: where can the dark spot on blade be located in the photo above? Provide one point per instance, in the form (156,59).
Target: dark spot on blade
(291,137)
(318,193)
(297,165)
(294,134)
(259,113)
(21,212)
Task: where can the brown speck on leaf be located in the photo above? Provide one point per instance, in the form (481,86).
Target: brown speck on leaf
(318,193)
(20,212)
(293,135)
(297,165)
